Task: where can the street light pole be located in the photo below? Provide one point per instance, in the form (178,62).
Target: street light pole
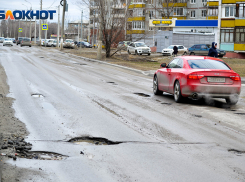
(26,20)
(40,24)
(63,20)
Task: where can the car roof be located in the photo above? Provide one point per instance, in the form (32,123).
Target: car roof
(198,57)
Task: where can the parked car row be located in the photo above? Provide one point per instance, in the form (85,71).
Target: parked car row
(197,49)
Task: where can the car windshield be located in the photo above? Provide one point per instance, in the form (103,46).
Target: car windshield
(26,39)
(86,43)
(170,47)
(207,64)
(140,45)
(8,39)
(69,41)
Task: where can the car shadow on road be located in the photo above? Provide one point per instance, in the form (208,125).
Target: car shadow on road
(218,103)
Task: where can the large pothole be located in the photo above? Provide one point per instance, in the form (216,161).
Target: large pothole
(93,141)
(17,148)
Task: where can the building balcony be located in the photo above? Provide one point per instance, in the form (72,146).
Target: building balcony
(174,4)
(141,18)
(212,3)
(142,5)
(135,31)
(212,17)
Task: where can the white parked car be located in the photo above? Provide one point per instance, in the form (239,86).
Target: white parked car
(69,43)
(169,51)
(138,48)
(50,43)
(8,41)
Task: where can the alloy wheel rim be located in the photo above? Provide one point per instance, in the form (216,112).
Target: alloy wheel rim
(155,84)
(176,91)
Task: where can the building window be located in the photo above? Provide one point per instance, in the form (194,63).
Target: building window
(139,12)
(178,11)
(138,1)
(227,36)
(193,1)
(204,1)
(240,35)
(193,14)
(229,11)
(138,25)
(204,13)
(150,1)
(213,11)
(240,10)
(151,14)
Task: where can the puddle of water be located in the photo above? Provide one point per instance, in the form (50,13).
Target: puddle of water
(37,95)
(142,94)
(93,141)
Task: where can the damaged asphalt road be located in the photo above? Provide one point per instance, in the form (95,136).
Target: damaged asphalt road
(67,119)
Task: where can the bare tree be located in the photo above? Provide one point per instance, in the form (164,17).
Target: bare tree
(111,15)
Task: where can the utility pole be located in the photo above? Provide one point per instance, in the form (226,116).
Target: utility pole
(93,34)
(81,26)
(99,50)
(35,40)
(63,20)
(40,24)
(58,32)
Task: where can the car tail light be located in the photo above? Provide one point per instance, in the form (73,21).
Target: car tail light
(236,78)
(195,77)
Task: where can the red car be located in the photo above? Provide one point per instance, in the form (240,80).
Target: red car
(197,77)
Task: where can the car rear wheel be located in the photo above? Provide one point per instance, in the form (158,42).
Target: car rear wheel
(192,53)
(156,91)
(232,100)
(136,53)
(177,92)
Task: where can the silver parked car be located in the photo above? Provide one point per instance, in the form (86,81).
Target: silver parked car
(25,42)
(8,41)
(138,48)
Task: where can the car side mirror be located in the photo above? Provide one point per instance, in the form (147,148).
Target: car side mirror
(163,65)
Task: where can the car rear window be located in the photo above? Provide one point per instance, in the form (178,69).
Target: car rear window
(207,64)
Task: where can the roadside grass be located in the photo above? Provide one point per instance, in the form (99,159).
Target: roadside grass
(146,63)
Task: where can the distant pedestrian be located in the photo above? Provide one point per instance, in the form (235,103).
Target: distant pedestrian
(175,48)
(213,50)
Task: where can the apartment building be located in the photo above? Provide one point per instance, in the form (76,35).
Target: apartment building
(198,21)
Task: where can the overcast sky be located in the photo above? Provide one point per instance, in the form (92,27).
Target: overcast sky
(74,12)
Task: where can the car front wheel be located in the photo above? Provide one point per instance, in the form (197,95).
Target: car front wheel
(192,53)
(156,91)
(129,52)
(177,92)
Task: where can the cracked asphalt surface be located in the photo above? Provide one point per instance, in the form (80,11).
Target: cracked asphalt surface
(56,97)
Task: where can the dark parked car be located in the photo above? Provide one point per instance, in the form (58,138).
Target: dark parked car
(203,49)
(25,42)
(84,44)
(19,40)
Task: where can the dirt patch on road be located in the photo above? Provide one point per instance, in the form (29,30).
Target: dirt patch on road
(10,128)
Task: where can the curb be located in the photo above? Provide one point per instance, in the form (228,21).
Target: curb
(146,73)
